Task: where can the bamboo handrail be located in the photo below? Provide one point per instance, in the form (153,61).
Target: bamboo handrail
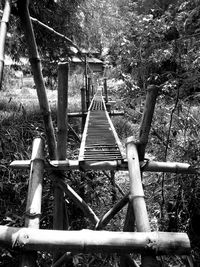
(156,243)
(3,32)
(34,199)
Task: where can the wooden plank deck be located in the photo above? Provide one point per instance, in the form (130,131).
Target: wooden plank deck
(100,141)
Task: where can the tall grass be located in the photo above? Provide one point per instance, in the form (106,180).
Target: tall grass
(19,98)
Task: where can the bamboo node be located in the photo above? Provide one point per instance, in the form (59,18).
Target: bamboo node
(132,197)
(32,215)
(132,139)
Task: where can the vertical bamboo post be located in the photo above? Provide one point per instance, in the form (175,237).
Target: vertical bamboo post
(152,93)
(63,69)
(137,197)
(105,90)
(34,199)
(83,106)
(60,221)
(3,32)
(37,75)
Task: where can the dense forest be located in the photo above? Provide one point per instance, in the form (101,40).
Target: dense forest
(142,43)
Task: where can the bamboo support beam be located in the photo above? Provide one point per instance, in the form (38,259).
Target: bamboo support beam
(157,243)
(3,32)
(152,93)
(34,200)
(37,75)
(137,197)
(149,166)
(112,212)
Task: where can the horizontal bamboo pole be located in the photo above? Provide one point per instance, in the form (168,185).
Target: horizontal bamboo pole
(151,166)
(112,212)
(157,243)
(80,114)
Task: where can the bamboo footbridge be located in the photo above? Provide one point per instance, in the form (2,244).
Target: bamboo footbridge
(100,142)
(100,149)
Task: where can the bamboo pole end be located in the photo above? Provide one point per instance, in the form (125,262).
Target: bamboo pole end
(38,148)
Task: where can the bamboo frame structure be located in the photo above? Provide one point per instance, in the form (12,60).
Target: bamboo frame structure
(155,243)
(3,32)
(34,199)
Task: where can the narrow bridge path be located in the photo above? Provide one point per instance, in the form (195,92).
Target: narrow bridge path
(100,141)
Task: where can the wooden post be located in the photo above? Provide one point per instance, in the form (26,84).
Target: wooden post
(92,93)
(137,196)
(34,199)
(83,106)
(89,91)
(152,93)
(37,75)
(112,180)
(63,69)
(3,32)
(86,83)
(105,90)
